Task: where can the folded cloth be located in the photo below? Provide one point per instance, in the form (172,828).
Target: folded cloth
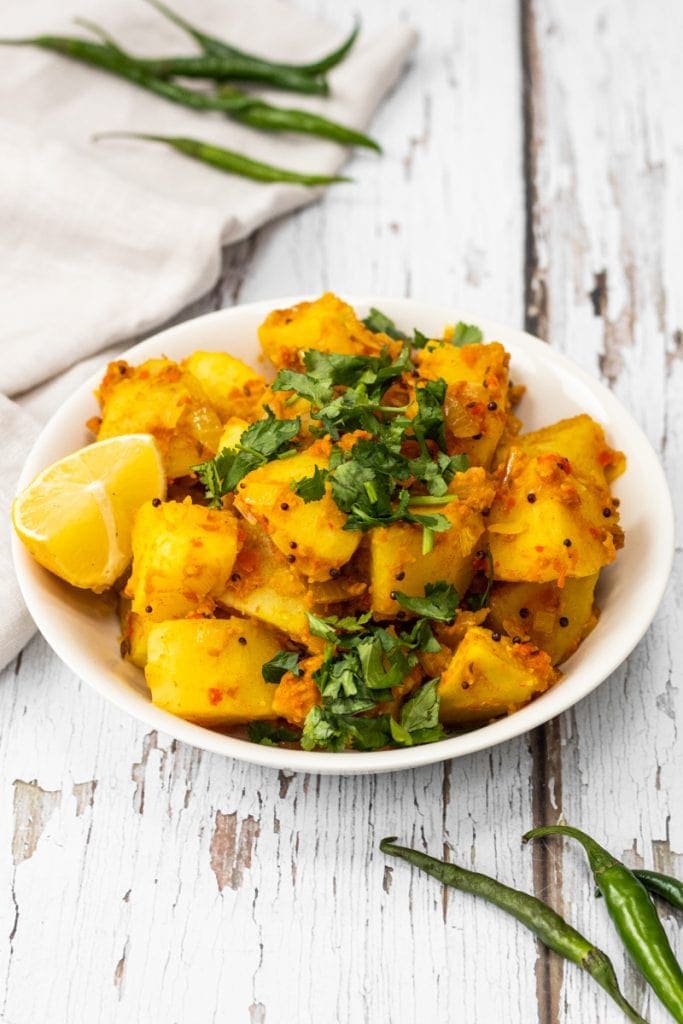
(102,242)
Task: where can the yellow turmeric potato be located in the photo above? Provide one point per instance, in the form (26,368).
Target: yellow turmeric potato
(580,440)
(488,678)
(546,523)
(296,695)
(134,633)
(159,398)
(483,365)
(328,325)
(232,387)
(475,422)
(310,535)
(233,428)
(209,670)
(263,586)
(397,562)
(183,555)
(554,618)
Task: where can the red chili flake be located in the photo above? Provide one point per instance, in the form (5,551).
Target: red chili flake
(215,695)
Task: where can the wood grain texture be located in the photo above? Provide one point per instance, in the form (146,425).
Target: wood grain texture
(533,173)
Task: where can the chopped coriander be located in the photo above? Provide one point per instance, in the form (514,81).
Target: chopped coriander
(260,443)
(380,323)
(284,661)
(467,334)
(311,488)
(269,735)
(419,339)
(439,603)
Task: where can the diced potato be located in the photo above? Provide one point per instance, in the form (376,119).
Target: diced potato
(549,524)
(555,619)
(328,325)
(397,562)
(310,535)
(233,428)
(209,670)
(475,422)
(263,586)
(483,365)
(134,633)
(296,695)
(183,555)
(232,387)
(159,398)
(580,440)
(486,679)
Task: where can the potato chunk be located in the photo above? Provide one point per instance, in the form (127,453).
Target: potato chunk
(547,523)
(296,695)
(488,678)
(209,670)
(263,586)
(183,555)
(310,535)
(328,325)
(232,387)
(555,619)
(483,365)
(580,440)
(397,562)
(159,398)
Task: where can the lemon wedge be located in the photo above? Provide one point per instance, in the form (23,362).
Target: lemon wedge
(76,516)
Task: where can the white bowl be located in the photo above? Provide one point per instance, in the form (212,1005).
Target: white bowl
(84,632)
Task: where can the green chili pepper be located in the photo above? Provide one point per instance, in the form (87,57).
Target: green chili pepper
(263,116)
(227,160)
(670,889)
(237,105)
(235,68)
(216,47)
(542,920)
(109,56)
(634,916)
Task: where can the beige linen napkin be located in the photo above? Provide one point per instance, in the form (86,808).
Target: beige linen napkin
(101,242)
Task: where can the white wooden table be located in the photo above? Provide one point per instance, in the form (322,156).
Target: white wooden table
(533,172)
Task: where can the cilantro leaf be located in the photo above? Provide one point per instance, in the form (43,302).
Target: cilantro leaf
(284,661)
(321,628)
(317,392)
(324,729)
(467,334)
(420,638)
(380,323)
(439,603)
(311,488)
(269,735)
(430,421)
(421,711)
(419,339)
(260,443)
